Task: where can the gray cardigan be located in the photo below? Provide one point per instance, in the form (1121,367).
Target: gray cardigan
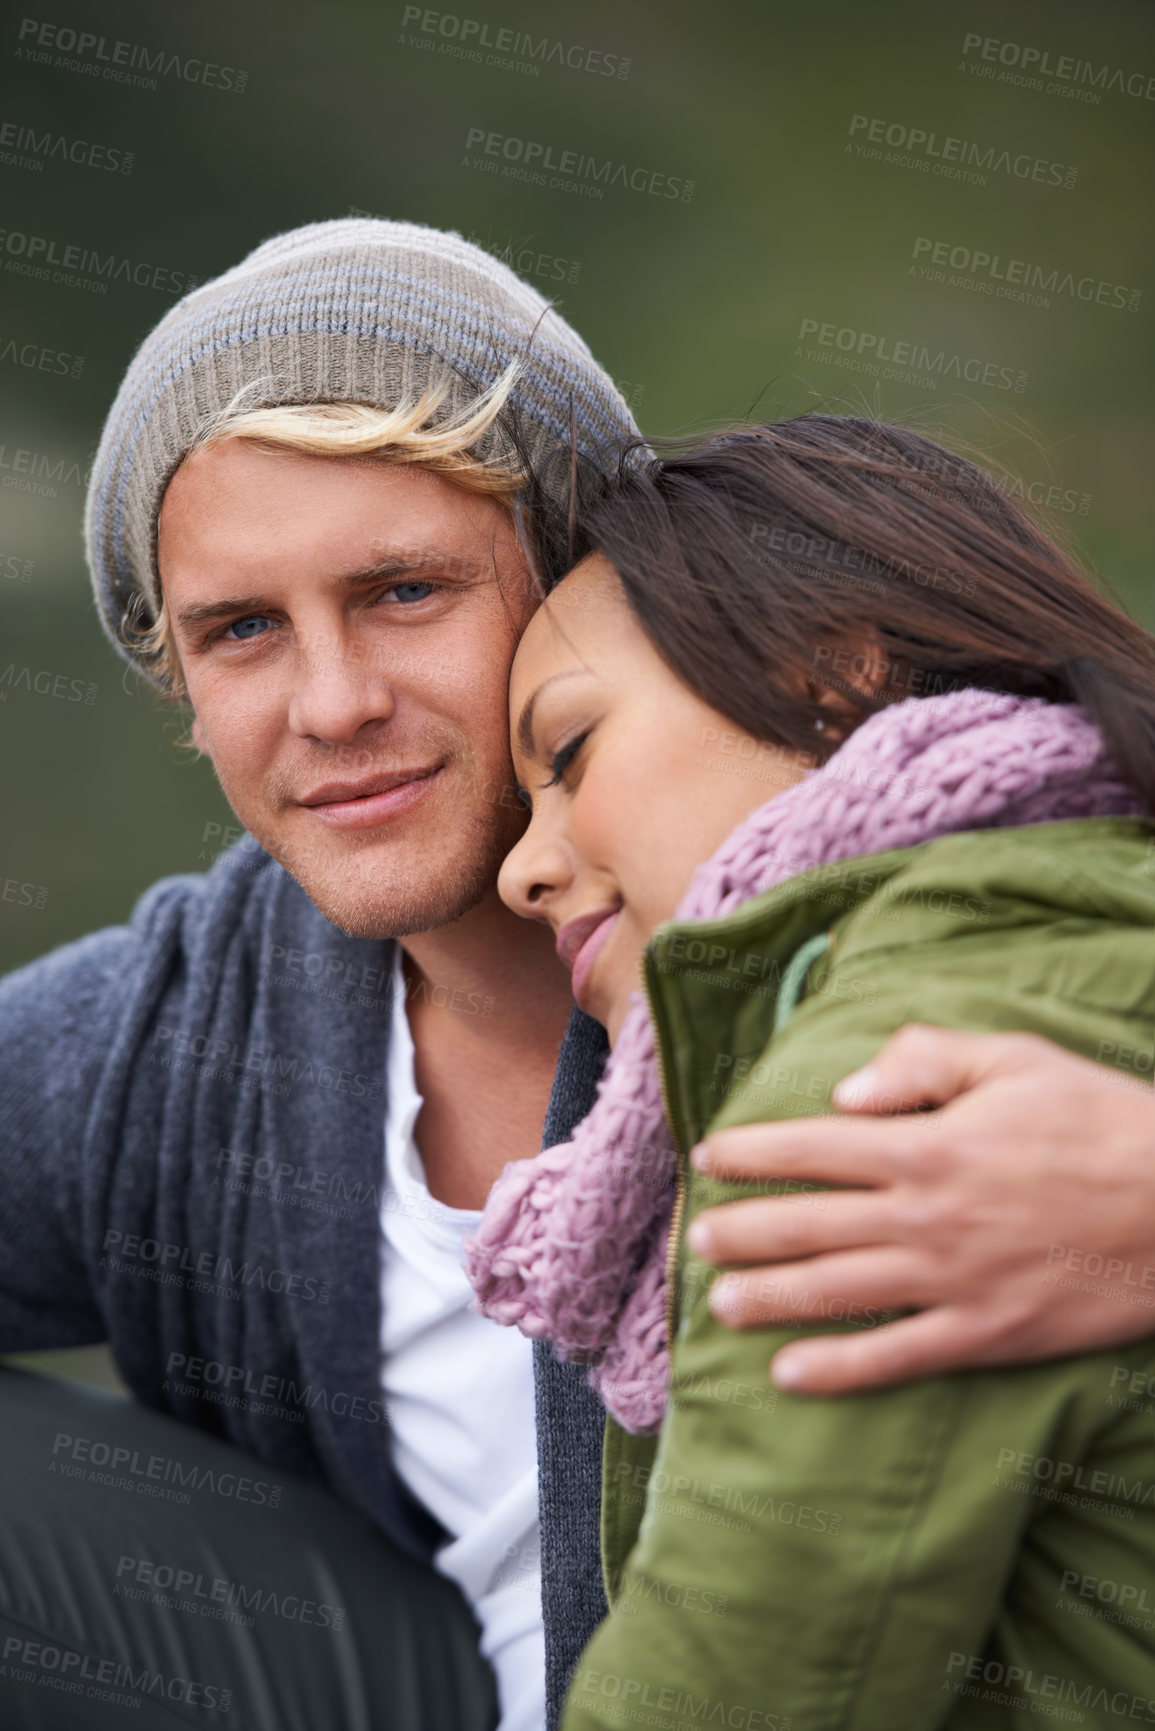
(191,1123)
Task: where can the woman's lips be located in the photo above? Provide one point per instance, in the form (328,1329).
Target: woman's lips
(579,943)
(366,810)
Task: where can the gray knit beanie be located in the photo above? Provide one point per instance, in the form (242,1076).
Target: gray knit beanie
(355,310)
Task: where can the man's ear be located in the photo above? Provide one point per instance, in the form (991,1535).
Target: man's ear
(198,738)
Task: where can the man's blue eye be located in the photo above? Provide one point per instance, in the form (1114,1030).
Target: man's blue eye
(254,626)
(411,591)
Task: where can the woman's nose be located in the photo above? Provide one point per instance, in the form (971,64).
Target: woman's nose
(535,871)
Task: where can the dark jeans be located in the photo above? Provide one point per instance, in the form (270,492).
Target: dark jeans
(152,1576)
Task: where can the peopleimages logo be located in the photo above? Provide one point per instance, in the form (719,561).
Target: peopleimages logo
(24,147)
(1047,495)
(520,255)
(1009,1684)
(122,62)
(528,260)
(213,1271)
(237,1381)
(904,361)
(45,683)
(1028,67)
(466,37)
(571,170)
(35,255)
(181,1589)
(38,467)
(1019,280)
(175,1048)
(949,157)
(40,358)
(71,1672)
(154,1476)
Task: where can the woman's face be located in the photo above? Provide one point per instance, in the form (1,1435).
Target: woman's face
(633,780)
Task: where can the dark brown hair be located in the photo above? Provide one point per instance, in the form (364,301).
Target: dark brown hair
(753,561)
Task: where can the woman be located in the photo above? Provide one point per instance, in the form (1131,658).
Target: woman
(912,746)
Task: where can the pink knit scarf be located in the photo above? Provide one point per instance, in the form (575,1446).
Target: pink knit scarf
(571,1247)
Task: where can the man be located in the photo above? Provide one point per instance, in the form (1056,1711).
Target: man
(244,1136)
(212,1116)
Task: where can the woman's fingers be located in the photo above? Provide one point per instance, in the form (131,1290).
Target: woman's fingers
(776,1228)
(946,1339)
(850,1286)
(828,1150)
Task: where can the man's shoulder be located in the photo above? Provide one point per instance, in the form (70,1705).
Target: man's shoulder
(190,924)
(160,914)
(232,974)
(242,876)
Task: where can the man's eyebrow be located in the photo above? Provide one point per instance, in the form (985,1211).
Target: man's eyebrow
(525,722)
(203,612)
(396,565)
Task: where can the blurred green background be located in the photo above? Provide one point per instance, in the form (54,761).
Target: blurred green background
(696,305)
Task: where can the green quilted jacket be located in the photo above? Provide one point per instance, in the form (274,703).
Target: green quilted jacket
(975,1549)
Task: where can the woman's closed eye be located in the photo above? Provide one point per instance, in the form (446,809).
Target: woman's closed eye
(561,759)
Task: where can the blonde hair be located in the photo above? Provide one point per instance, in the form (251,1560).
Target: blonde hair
(408,434)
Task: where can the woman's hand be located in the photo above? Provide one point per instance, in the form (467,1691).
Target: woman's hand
(1017,1222)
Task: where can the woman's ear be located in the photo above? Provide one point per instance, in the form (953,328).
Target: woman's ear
(198,738)
(843,670)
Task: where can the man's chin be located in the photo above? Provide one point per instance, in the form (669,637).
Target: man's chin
(364,900)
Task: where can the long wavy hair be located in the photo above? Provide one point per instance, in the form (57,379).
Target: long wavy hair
(753,560)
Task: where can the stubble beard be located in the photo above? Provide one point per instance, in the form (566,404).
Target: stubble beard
(371,892)
(365,901)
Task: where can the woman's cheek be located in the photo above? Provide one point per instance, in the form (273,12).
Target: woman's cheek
(600,819)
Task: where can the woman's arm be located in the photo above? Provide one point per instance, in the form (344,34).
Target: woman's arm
(984,1216)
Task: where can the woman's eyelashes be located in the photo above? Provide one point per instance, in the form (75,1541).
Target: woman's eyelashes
(560,760)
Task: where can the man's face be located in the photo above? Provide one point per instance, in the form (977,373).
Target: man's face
(345,629)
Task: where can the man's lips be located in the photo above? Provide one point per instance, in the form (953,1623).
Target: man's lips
(580,940)
(373,799)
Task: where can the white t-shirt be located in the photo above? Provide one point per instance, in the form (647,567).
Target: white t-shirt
(459,1393)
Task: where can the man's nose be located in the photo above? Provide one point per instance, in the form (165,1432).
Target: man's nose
(335,693)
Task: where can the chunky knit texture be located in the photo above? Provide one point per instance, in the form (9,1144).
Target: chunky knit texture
(571,1247)
(355,310)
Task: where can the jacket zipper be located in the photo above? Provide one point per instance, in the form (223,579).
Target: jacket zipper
(679,1207)
(678,1210)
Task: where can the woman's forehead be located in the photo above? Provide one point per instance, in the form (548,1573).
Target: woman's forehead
(579,619)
